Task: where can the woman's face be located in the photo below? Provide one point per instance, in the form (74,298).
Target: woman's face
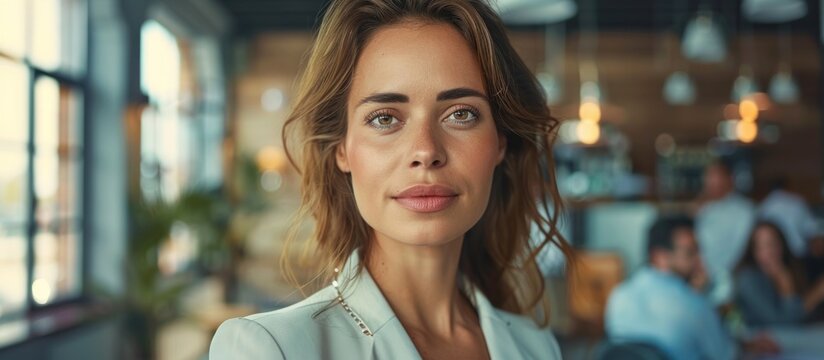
(767,247)
(421,144)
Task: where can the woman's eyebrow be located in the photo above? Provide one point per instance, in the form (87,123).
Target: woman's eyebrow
(458,93)
(450,94)
(385,98)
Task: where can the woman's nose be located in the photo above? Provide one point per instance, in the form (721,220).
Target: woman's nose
(427,147)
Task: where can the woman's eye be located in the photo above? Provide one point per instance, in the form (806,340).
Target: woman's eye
(383,121)
(463,116)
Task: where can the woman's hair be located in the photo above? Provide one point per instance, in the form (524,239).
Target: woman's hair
(497,255)
(789,260)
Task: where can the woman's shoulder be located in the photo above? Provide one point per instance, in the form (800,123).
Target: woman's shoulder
(278,334)
(750,281)
(749,274)
(302,313)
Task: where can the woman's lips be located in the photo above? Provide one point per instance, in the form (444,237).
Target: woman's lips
(426,198)
(426,204)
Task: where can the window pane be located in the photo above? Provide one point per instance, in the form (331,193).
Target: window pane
(13,187)
(57,161)
(57,271)
(57,187)
(58,116)
(13,27)
(159,63)
(166,157)
(12,270)
(45,50)
(71,118)
(57,190)
(46,111)
(14,103)
(58,34)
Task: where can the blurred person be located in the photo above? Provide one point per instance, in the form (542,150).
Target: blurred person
(814,260)
(421,133)
(722,225)
(658,306)
(814,269)
(791,214)
(770,281)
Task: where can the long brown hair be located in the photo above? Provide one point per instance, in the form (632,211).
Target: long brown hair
(789,260)
(497,255)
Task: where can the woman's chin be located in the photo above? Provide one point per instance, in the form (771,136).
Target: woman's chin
(424,236)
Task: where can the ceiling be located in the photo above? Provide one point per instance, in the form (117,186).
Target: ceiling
(255,16)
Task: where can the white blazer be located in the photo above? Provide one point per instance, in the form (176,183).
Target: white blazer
(321,327)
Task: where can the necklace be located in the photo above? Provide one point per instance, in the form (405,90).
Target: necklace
(364,329)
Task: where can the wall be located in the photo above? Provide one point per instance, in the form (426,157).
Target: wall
(633,68)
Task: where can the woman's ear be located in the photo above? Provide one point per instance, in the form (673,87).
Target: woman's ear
(501,147)
(341,159)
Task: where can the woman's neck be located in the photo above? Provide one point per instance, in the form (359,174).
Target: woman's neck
(420,284)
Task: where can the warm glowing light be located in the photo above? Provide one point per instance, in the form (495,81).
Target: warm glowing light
(588,132)
(590,110)
(270,158)
(747,131)
(41,291)
(748,110)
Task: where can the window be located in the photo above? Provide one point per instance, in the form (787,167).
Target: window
(181,128)
(58,164)
(166,159)
(14,185)
(42,64)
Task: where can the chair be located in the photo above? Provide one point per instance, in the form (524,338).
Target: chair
(589,288)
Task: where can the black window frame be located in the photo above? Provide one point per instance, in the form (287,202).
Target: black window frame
(79,81)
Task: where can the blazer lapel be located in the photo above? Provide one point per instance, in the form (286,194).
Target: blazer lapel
(499,340)
(389,339)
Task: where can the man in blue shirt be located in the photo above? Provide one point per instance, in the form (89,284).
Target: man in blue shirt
(723,224)
(658,307)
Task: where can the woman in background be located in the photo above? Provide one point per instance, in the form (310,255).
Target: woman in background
(770,281)
(422,132)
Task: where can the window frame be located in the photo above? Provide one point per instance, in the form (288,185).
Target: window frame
(77,81)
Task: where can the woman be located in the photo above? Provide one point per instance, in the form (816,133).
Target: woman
(422,133)
(769,281)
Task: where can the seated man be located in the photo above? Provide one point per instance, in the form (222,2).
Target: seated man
(660,308)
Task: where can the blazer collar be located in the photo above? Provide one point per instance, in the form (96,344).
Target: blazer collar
(366,300)
(363,296)
(497,333)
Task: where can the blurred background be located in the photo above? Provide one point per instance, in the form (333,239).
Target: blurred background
(145,193)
